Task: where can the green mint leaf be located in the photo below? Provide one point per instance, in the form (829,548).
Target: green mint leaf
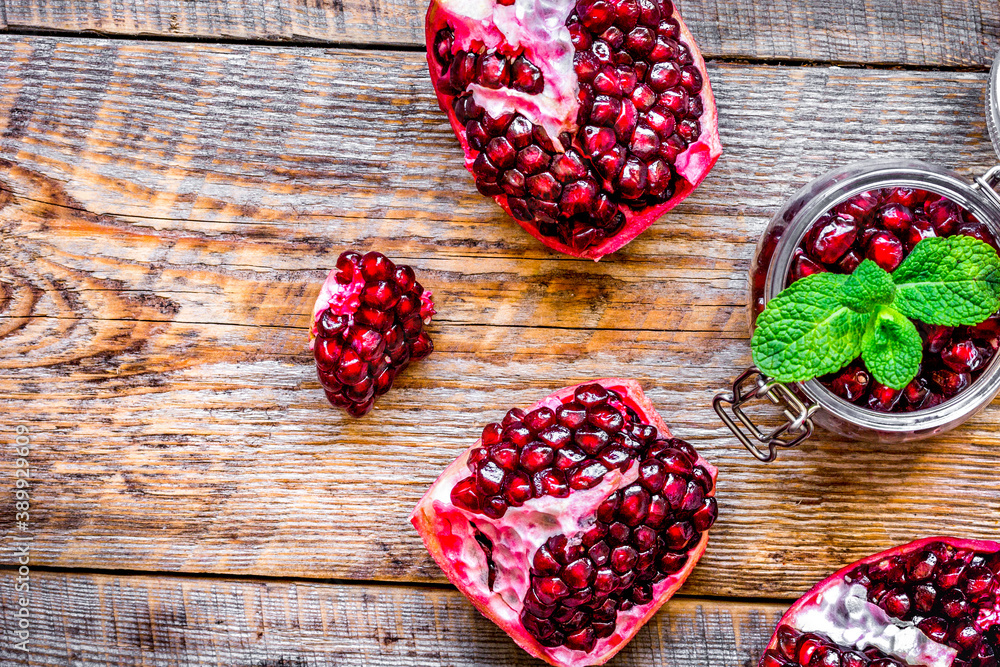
(892,348)
(806,331)
(868,287)
(949,281)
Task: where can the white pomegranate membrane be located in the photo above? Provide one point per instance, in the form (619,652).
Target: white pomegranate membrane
(368,325)
(931,603)
(884,226)
(570,524)
(585,120)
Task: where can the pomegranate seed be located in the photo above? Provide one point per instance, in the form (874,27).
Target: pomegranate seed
(885,250)
(935,628)
(802,266)
(526,77)
(808,645)
(897,218)
(944,214)
(830,238)
(963,356)
(518,489)
(588,476)
(705,516)
(882,398)
(634,505)
(464,495)
(851,383)
(951,383)
(505,456)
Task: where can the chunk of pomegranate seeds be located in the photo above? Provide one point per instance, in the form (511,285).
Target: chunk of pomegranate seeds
(905,583)
(367,326)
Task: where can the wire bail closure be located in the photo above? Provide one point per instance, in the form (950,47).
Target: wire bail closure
(988,183)
(751,385)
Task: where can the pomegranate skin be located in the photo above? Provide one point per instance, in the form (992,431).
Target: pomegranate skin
(934,654)
(497,587)
(691,165)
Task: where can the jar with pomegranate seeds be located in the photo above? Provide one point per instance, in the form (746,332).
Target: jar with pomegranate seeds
(877,210)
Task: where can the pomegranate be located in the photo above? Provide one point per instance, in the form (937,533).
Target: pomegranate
(368,324)
(884,226)
(586,120)
(932,602)
(571,523)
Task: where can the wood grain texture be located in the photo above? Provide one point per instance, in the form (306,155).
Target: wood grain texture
(175,207)
(171,621)
(921,33)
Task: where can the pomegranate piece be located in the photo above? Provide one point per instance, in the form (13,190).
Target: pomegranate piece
(586,120)
(932,602)
(572,559)
(885,226)
(368,324)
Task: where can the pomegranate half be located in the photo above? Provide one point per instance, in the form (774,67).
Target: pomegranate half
(586,120)
(932,602)
(571,523)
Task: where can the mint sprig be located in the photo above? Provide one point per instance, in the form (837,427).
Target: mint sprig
(821,323)
(892,348)
(950,281)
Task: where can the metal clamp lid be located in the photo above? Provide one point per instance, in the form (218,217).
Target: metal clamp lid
(752,385)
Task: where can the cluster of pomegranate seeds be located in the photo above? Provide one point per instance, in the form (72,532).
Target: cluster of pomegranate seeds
(372,326)
(640,108)
(813,649)
(941,589)
(642,532)
(884,226)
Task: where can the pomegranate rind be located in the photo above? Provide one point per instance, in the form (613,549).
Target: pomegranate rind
(811,598)
(449,538)
(694,164)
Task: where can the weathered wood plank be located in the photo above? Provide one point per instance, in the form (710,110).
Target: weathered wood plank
(175,207)
(173,621)
(921,33)
(196,138)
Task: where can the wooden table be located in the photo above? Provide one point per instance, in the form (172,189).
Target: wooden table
(178,176)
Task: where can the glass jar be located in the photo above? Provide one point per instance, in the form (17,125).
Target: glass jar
(809,404)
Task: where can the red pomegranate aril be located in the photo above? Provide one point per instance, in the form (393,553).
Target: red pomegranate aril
(885,250)
(920,229)
(620,558)
(883,398)
(831,238)
(896,218)
(802,266)
(951,383)
(704,517)
(963,356)
(936,338)
(945,215)
(907,197)
(849,262)
(851,383)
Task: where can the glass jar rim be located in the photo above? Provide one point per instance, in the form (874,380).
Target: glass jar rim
(815,200)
